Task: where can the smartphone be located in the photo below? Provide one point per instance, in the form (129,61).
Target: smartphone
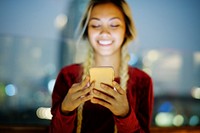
(101,75)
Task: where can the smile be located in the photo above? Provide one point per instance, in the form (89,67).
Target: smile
(107,42)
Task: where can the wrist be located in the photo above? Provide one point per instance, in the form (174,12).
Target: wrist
(124,114)
(65,111)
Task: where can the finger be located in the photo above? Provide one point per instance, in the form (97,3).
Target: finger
(103,96)
(108,89)
(118,88)
(84,96)
(84,99)
(73,89)
(85,82)
(100,102)
(92,87)
(83,92)
(79,86)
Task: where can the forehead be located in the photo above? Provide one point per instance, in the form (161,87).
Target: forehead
(106,10)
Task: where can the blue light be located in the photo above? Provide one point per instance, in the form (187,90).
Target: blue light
(194,120)
(51,85)
(10,90)
(165,107)
(133,59)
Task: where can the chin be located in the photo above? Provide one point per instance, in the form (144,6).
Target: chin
(105,54)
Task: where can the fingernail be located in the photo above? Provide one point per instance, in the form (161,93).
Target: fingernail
(95,92)
(88,84)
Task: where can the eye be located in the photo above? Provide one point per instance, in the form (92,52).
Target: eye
(114,25)
(95,25)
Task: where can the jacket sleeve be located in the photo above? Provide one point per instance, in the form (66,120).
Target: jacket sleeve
(61,123)
(139,118)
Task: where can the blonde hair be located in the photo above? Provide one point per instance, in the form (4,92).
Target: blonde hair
(89,62)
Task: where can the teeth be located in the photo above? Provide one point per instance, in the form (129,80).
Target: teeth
(105,42)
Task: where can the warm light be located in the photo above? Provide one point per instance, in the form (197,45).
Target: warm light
(150,58)
(196,57)
(146,62)
(153,55)
(61,21)
(164,119)
(174,62)
(195,92)
(178,120)
(44,113)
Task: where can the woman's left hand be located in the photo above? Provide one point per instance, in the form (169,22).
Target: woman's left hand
(115,100)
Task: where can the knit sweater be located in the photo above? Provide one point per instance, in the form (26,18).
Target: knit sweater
(96,118)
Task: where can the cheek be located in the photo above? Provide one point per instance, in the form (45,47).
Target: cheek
(92,40)
(91,34)
(119,36)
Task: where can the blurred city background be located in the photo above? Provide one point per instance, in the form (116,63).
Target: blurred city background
(37,40)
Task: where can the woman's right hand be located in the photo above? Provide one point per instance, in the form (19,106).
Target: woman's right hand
(77,94)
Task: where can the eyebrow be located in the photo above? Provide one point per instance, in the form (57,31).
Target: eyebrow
(98,19)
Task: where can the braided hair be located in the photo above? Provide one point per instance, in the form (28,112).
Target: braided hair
(89,62)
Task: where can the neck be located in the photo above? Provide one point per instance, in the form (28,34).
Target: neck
(113,61)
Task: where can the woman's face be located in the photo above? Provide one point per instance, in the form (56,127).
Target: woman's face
(106,29)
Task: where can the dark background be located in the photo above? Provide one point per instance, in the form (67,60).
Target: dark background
(37,40)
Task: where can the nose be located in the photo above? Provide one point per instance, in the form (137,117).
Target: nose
(105,32)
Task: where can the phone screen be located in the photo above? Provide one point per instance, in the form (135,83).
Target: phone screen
(101,75)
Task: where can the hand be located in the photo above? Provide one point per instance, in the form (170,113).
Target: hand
(115,100)
(77,94)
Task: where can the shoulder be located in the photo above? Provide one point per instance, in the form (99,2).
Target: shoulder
(140,80)
(72,68)
(138,74)
(73,71)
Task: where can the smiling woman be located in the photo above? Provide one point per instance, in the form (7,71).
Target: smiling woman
(106,30)
(126,104)
(36,41)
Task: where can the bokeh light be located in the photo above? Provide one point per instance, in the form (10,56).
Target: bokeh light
(51,85)
(194,120)
(61,21)
(195,92)
(164,119)
(178,120)
(44,113)
(166,107)
(153,55)
(196,57)
(133,59)
(11,90)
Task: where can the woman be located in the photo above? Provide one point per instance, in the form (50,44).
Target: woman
(77,106)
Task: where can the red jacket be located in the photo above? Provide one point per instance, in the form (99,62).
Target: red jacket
(96,118)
